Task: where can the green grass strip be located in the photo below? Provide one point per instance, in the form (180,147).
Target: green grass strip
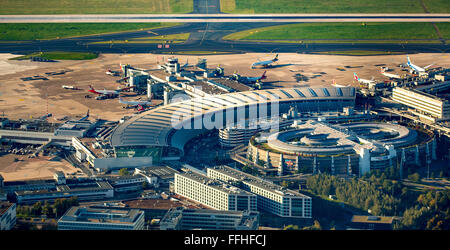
(59,55)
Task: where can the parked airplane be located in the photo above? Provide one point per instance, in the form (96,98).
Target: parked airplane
(106,92)
(249,80)
(135,103)
(140,108)
(391,76)
(362,80)
(338,85)
(265,64)
(415,67)
(44,117)
(85,117)
(69,87)
(112,73)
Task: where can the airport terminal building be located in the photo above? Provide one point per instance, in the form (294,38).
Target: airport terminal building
(351,149)
(163,131)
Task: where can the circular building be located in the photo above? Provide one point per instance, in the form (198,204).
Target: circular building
(345,149)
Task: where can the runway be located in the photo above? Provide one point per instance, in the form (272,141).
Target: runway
(204,37)
(225,18)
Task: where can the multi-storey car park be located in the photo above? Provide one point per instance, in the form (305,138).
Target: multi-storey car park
(349,149)
(163,131)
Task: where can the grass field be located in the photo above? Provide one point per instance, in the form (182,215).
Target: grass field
(60,55)
(444,28)
(333,6)
(35,7)
(180,36)
(174,38)
(311,31)
(334,41)
(34,31)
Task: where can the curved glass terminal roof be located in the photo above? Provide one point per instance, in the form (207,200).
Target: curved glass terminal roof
(152,128)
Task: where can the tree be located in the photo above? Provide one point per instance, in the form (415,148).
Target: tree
(48,210)
(316,226)
(414,177)
(36,209)
(291,227)
(124,172)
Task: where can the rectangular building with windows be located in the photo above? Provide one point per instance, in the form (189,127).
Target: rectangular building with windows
(89,218)
(205,219)
(214,193)
(271,198)
(431,105)
(7,215)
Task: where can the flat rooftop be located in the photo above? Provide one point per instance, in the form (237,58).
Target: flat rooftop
(372,219)
(153,204)
(216,184)
(207,88)
(232,84)
(89,143)
(163,172)
(101,215)
(269,186)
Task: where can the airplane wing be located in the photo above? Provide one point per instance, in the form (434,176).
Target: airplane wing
(428,66)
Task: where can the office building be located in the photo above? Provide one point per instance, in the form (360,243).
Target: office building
(188,219)
(213,193)
(271,198)
(7,215)
(429,105)
(88,218)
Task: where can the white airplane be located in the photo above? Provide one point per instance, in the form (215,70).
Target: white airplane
(69,87)
(391,76)
(112,73)
(134,103)
(338,85)
(415,67)
(106,92)
(265,64)
(362,80)
(249,80)
(85,117)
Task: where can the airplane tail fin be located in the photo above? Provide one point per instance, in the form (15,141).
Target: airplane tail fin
(355,76)
(407,58)
(90,87)
(264,75)
(276,58)
(87,114)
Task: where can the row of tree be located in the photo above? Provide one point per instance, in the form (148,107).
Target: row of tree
(357,193)
(383,193)
(431,212)
(55,210)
